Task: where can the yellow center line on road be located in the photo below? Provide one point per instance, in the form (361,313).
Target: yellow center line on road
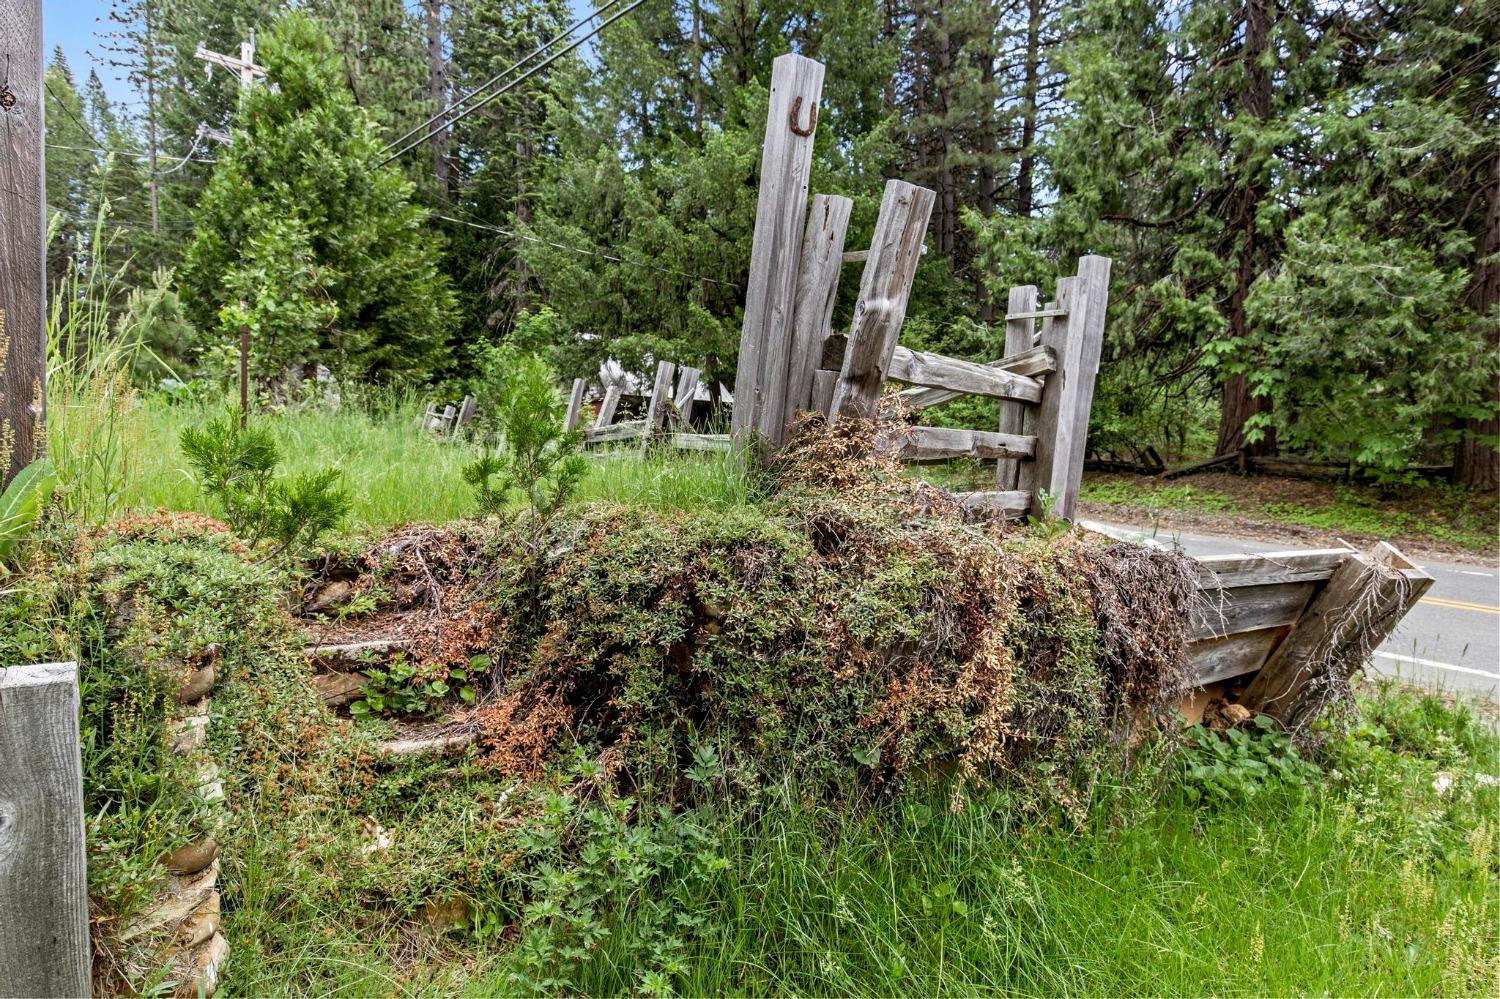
(1459,605)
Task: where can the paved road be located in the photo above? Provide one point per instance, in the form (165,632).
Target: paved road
(1451,638)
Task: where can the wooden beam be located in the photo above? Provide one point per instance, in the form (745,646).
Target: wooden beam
(687,391)
(1363,601)
(656,409)
(607,407)
(817,288)
(625,430)
(1218,613)
(575,404)
(1019,332)
(23,247)
(1062,419)
(1228,571)
(1214,659)
(700,442)
(883,293)
(1013,503)
(44,909)
(918,367)
(781,209)
(944,443)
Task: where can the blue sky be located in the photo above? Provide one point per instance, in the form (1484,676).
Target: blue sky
(71,24)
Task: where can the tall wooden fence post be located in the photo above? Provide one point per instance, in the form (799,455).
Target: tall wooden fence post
(44,909)
(23,248)
(1063,419)
(884,290)
(760,382)
(817,287)
(575,404)
(1018,335)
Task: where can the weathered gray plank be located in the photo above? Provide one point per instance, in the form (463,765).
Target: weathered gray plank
(465,412)
(883,293)
(1020,330)
(575,404)
(817,288)
(1062,419)
(920,367)
(1235,655)
(1009,503)
(44,933)
(1221,612)
(944,443)
(22,238)
(1361,604)
(687,390)
(607,407)
(700,442)
(781,209)
(1226,571)
(1032,362)
(623,431)
(656,408)
(823,383)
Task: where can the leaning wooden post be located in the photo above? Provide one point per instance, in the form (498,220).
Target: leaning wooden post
(575,404)
(687,391)
(607,407)
(1063,418)
(23,245)
(883,292)
(1018,334)
(44,906)
(1365,599)
(785,169)
(661,394)
(822,259)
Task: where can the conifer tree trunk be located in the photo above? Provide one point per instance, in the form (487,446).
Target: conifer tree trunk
(1238,405)
(1030,85)
(1475,463)
(437,88)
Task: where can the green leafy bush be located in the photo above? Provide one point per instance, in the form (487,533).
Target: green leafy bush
(1233,766)
(236,468)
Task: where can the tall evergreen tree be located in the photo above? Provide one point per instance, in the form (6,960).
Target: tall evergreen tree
(305,238)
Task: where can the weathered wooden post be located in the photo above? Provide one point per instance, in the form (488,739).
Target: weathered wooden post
(1077,336)
(884,290)
(1018,335)
(661,394)
(23,250)
(817,288)
(760,383)
(575,404)
(44,909)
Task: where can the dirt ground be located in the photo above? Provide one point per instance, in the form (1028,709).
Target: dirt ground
(1249,518)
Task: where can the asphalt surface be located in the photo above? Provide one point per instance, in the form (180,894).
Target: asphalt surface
(1450,640)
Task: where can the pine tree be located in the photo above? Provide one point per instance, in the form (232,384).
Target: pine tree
(305,238)
(72,161)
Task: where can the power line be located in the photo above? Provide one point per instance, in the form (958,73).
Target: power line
(588,252)
(518,80)
(498,76)
(135,156)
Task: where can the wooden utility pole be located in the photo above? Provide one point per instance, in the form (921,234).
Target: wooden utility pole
(23,247)
(245,65)
(437,89)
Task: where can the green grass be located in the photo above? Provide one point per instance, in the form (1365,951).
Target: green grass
(1369,881)
(394,472)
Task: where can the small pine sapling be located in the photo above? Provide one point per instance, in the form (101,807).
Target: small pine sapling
(237,469)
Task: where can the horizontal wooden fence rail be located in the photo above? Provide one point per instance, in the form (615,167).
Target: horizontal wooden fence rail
(667,418)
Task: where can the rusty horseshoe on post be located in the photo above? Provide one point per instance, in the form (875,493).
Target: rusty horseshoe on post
(812,118)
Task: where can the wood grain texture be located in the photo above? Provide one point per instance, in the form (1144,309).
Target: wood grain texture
(883,293)
(607,407)
(945,443)
(1358,608)
(44,934)
(1226,571)
(781,209)
(625,430)
(1008,503)
(686,394)
(1031,362)
(817,289)
(22,237)
(656,408)
(920,367)
(700,442)
(1062,421)
(1218,613)
(1216,659)
(1019,333)
(575,404)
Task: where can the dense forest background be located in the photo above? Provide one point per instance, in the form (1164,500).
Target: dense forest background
(1302,198)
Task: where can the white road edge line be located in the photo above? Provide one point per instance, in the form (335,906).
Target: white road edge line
(1437,665)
